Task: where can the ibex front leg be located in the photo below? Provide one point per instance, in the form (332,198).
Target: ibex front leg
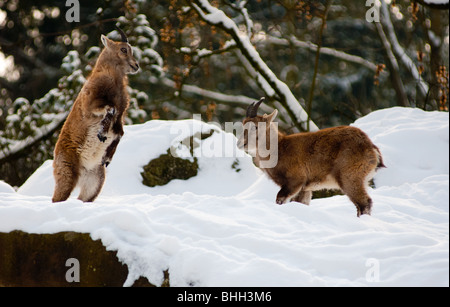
(105,124)
(289,190)
(109,153)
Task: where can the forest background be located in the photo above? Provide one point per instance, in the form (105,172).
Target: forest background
(320,63)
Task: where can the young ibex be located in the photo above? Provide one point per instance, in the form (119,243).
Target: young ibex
(90,135)
(335,158)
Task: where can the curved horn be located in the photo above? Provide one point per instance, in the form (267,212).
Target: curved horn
(252,109)
(122,34)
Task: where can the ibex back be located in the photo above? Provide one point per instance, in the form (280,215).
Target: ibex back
(93,129)
(335,158)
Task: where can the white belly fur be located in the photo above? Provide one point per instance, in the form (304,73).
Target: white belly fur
(93,149)
(329,183)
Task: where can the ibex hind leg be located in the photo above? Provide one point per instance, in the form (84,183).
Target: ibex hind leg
(91,183)
(362,202)
(357,193)
(303,197)
(66,177)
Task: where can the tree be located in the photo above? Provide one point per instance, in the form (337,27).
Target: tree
(215,57)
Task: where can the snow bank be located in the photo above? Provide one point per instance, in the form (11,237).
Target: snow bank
(223,228)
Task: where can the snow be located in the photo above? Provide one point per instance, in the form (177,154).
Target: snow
(223,228)
(436,1)
(421,136)
(5,188)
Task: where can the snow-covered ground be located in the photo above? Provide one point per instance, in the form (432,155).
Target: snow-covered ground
(223,228)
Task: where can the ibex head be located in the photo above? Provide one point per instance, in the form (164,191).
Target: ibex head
(256,127)
(120,54)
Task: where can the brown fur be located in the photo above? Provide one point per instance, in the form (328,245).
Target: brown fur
(341,157)
(93,129)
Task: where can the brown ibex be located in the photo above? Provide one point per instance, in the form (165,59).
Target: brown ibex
(93,129)
(334,158)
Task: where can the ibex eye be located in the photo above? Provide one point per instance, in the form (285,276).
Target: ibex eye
(124,50)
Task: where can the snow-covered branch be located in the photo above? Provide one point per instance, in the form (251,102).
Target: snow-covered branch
(239,100)
(323,50)
(40,134)
(240,7)
(435,4)
(283,94)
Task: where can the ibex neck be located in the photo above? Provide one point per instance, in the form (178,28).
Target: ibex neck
(106,65)
(267,149)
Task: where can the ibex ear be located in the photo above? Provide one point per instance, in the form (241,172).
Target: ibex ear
(269,118)
(105,40)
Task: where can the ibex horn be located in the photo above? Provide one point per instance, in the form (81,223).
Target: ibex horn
(123,35)
(252,109)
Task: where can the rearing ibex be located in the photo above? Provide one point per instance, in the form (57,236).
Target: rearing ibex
(90,135)
(335,158)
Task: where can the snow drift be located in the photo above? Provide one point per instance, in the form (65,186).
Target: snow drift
(223,228)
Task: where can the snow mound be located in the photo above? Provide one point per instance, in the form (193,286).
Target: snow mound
(6,188)
(223,228)
(221,164)
(414,143)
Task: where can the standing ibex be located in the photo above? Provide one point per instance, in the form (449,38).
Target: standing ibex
(90,135)
(334,158)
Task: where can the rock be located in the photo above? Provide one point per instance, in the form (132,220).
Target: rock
(167,167)
(41,260)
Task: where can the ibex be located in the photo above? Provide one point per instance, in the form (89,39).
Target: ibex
(334,158)
(93,129)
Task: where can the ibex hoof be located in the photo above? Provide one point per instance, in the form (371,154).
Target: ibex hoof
(360,212)
(101,137)
(281,201)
